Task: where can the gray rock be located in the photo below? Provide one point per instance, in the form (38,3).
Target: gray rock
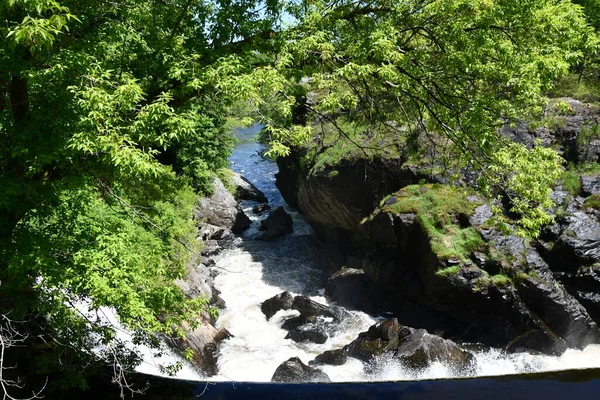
(309,308)
(331,357)
(308,332)
(295,371)
(282,301)
(415,348)
(590,184)
(294,322)
(279,223)
(221,210)
(245,190)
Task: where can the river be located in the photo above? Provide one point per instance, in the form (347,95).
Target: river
(256,270)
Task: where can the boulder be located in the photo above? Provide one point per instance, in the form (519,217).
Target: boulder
(331,357)
(203,341)
(245,190)
(294,322)
(221,210)
(310,309)
(420,349)
(295,371)
(282,301)
(307,332)
(381,338)
(590,184)
(241,223)
(279,223)
(415,348)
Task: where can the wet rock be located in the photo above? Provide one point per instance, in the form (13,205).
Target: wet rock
(415,348)
(203,341)
(279,223)
(282,301)
(260,209)
(221,210)
(242,222)
(380,338)
(295,371)
(245,190)
(310,309)
(578,243)
(331,357)
(308,332)
(197,283)
(590,184)
(294,322)
(213,232)
(420,349)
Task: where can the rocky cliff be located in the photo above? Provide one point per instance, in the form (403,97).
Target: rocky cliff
(437,257)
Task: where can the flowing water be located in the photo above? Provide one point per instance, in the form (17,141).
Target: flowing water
(255,270)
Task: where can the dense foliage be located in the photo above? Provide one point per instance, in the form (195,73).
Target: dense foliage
(112,121)
(111,124)
(449,72)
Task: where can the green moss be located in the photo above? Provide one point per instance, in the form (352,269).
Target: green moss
(570,178)
(438,209)
(570,182)
(572,86)
(226,176)
(592,201)
(501,280)
(588,133)
(445,272)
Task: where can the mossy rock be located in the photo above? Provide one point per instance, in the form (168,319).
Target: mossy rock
(592,201)
(442,211)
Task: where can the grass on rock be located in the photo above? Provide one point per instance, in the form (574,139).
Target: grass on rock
(439,210)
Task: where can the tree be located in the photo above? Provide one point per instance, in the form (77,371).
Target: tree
(450,69)
(111,124)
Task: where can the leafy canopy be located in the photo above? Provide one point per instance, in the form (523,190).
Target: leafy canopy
(111,123)
(454,69)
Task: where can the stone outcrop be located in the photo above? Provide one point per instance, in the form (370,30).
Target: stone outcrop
(308,332)
(203,340)
(221,210)
(414,348)
(331,357)
(279,223)
(335,205)
(282,301)
(295,371)
(459,274)
(245,190)
(570,130)
(218,217)
(310,308)
(571,247)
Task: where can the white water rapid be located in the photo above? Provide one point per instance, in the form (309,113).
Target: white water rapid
(255,270)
